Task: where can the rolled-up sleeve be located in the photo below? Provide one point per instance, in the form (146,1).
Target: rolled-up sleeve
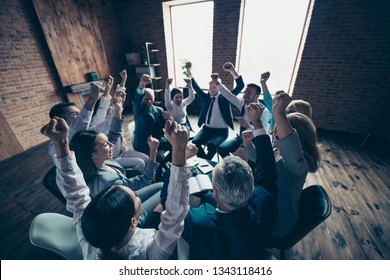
(172,219)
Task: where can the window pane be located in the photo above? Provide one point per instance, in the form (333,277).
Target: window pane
(270,39)
(192,31)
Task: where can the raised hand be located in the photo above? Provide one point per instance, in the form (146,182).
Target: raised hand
(280,103)
(247,137)
(153,143)
(144,80)
(188,82)
(215,78)
(109,82)
(123,75)
(168,82)
(191,151)
(188,69)
(57,130)
(264,77)
(97,90)
(177,135)
(254,112)
(229,67)
(117,103)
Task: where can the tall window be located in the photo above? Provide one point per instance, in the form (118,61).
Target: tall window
(189,35)
(271,33)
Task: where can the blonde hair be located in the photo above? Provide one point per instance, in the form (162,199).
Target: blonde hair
(307,134)
(300,106)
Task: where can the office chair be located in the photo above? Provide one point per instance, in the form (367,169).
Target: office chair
(49,182)
(314,208)
(55,232)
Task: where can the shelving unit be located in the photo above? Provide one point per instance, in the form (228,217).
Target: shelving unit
(149,56)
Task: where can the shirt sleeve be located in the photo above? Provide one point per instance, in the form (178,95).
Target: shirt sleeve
(71,183)
(265,119)
(172,219)
(229,96)
(191,97)
(250,151)
(167,100)
(137,102)
(115,130)
(82,122)
(292,154)
(101,111)
(140,181)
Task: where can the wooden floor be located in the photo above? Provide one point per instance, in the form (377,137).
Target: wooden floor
(356,179)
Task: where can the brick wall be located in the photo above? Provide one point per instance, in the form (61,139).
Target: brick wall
(110,30)
(345,66)
(225,33)
(142,21)
(28,85)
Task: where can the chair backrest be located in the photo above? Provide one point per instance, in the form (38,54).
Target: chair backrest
(49,182)
(314,208)
(56,232)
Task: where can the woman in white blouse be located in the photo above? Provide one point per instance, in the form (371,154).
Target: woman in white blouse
(176,105)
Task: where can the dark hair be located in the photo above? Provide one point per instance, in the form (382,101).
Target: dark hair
(174,91)
(257,87)
(58,109)
(107,219)
(83,144)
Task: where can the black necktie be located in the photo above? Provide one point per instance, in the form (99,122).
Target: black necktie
(210,110)
(242,115)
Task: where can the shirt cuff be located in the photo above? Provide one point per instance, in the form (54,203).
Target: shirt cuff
(140,91)
(259,131)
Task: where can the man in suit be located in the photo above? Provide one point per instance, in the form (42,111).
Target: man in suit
(251,94)
(149,119)
(238,223)
(215,115)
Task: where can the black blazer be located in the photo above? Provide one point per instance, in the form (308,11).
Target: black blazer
(223,103)
(241,234)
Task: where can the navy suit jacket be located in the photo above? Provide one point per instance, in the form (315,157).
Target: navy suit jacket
(223,103)
(243,233)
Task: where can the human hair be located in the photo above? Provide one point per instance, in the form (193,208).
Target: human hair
(174,91)
(308,137)
(149,90)
(233,179)
(256,86)
(300,106)
(58,109)
(107,219)
(83,144)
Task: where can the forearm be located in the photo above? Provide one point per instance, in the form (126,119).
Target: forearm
(153,154)
(101,111)
(115,130)
(172,219)
(167,99)
(229,96)
(265,169)
(283,125)
(82,122)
